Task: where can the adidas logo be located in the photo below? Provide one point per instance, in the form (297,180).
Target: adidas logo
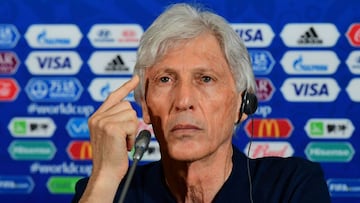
(310,37)
(117,64)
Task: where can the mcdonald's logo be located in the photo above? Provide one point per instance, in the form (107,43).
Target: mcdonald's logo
(80,150)
(269,128)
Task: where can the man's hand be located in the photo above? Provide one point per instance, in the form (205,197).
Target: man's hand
(113,128)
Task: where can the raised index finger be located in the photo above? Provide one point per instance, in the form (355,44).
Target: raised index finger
(119,94)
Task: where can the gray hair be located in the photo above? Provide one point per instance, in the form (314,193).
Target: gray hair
(183,22)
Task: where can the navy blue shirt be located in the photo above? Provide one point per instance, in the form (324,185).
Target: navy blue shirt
(273,180)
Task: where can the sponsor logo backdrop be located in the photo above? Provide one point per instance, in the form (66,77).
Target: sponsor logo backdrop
(60,59)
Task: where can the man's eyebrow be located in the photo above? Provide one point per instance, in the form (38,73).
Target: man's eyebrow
(163,69)
(202,68)
(160,70)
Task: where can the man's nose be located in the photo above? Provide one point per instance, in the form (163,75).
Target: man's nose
(184,96)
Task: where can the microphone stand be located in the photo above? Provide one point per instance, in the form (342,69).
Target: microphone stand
(128,181)
(141,144)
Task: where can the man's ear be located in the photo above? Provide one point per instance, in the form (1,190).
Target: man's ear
(145,112)
(244,116)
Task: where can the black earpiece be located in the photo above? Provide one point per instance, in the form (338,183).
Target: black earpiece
(249,103)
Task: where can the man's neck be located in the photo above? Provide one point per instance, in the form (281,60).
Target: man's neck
(201,180)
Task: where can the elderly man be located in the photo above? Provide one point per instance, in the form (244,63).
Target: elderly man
(194,82)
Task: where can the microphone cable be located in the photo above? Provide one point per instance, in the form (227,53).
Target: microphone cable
(248,162)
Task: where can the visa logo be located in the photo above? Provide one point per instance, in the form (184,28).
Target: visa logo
(254,34)
(313,89)
(310,89)
(53,62)
(250,34)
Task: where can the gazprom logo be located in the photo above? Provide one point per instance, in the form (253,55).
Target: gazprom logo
(100,88)
(53,36)
(310,62)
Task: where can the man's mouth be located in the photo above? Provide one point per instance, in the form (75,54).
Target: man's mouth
(184,127)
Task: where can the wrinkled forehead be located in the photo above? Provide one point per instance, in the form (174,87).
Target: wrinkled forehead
(206,45)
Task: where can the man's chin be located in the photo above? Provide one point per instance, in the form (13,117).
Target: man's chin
(185,152)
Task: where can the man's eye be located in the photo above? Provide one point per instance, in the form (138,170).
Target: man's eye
(164,79)
(206,79)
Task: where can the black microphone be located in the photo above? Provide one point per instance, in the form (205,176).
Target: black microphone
(141,144)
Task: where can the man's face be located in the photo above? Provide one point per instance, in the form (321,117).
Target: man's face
(191,100)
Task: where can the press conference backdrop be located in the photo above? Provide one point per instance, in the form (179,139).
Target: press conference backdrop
(60,59)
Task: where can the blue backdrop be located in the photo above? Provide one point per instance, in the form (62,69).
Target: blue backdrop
(60,58)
